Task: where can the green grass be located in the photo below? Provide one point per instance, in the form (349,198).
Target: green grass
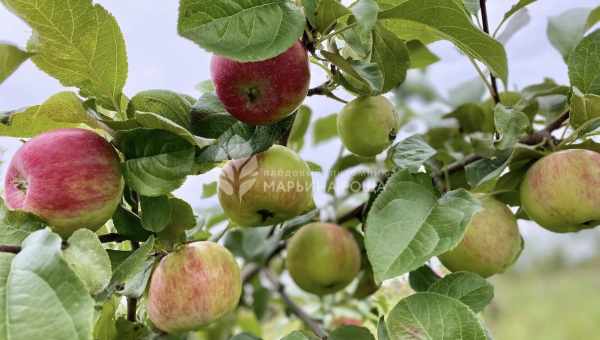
(556,305)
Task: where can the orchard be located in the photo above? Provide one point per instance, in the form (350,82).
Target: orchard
(95,244)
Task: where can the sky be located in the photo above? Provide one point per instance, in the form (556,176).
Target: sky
(160,59)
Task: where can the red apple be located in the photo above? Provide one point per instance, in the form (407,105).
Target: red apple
(70,178)
(262,92)
(193,286)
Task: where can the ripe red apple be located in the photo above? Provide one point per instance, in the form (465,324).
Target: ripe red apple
(70,178)
(267,188)
(262,92)
(323,258)
(193,286)
(561,192)
(491,244)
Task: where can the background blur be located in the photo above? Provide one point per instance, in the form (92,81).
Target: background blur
(552,293)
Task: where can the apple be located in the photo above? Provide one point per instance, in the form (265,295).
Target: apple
(195,285)
(262,92)
(561,192)
(70,178)
(491,244)
(323,258)
(368,125)
(266,189)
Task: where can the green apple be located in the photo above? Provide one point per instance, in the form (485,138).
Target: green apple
(491,244)
(323,258)
(193,286)
(266,189)
(561,192)
(368,125)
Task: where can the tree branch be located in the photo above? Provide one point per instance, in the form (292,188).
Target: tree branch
(4,248)
(486,29)
(113,237)
(314,326)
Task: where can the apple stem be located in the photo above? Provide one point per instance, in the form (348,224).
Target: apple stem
(314,326)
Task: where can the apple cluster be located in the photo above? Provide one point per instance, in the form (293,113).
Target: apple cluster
(71,179)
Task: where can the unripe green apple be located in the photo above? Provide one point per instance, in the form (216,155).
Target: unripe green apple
(267,188)
(561,192)
(193,286)
(368,125)
(323,258)
(491,244)
(70,178)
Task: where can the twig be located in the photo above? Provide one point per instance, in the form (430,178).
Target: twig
(486,29)
(314,326)
(113,237)
(252,269)
(132,302)
(4,248)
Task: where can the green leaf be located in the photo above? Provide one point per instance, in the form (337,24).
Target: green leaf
(325,129)
(514,25)
(420,55)
(433,316)
(299,128)
(252,244)
(567,29)
(129,268)
(411,153)
(584,107)
(351,333)
(514,9)
(511,125)
(5,261)
(165,103)
(81,45)
(44,298)
(105,328)
(156,213)
(584,69)
(483,174)
(442,19)
(11,57)
(62,110)
(327,13)
(382,332)
(248,30)
(472,6)
(408,224)
(299,335)
(245,336)
(16,226)
(365,12)
(88,259)
(472,118)
(391,56)
(242,140)
(209,189)
(209,118)
(469,288)
(422,278)
(364,77)
(157,161)
(129,225)
(152,120)
(182,219)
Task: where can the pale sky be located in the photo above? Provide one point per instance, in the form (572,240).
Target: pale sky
(159,58)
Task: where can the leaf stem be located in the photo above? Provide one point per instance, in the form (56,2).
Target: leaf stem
(486,29)
(336,32)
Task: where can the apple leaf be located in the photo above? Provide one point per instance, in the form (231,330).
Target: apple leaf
(165,103)
(88,259)
(411,153)
(209,118)
(516,23)
(325,129)
(408,224)
(367,77)
(430,20)
(584,107)
(157,162)
(15,226)
(326,13)
(245,336)
(483,174)
(422,278)
(156,212)
(420,56)
(209,189)
(129,225)
(510,124)
(299,128)
(469,288)
(365,12)
(382,332)
(105,328)
(243,140)
(566,30)
(584,69)
(472,118)
(61,110)
(182,219)
(299,335)
(11,57)
(5,261)
(252,244)
(242,30)
(152,120)
(430,315)
(41,290)
(351,332)
(80,44)
(391,56)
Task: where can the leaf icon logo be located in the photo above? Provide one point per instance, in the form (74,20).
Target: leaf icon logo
(240,177)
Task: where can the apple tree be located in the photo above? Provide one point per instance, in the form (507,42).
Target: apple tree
(95,245)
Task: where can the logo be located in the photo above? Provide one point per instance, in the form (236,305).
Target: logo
(240,177)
